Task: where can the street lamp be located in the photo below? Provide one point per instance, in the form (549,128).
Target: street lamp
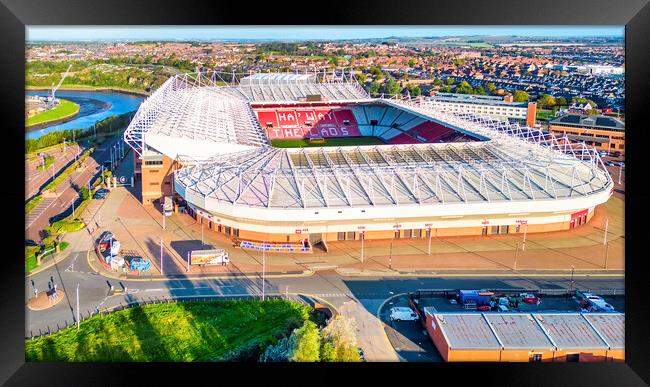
(263,269)
(161,256)
(390,256)
(202,243)
(606,226)
(620,172)
(363,238)
(572,269)
(516,253)
(72,208)
(77,306)
(523,244)
(606,253)
(429,231)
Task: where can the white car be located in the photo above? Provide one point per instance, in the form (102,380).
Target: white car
(402,313)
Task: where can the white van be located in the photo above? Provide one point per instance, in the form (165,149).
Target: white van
(402,313)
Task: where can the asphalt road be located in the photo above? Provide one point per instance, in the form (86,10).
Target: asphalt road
(39,218)
(368,291)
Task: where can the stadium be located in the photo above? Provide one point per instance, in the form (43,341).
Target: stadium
(298,159)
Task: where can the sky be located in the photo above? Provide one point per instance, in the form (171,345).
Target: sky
(93,33)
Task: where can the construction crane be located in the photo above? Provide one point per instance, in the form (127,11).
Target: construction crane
(54,89)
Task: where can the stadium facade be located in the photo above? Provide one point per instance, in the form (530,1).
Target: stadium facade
(426,172)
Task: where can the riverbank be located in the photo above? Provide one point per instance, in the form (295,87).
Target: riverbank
(64,112)
(91,88)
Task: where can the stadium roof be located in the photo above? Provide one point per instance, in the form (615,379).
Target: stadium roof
(195,115)
(227,160)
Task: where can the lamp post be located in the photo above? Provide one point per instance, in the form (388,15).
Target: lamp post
(73,141)
(202,243)
(390,256)
(572,269)
(523,244)
(161,256)
(72,208)
(620,172)
(77,306)
(606,227)
(363,238)
(514,267)
(606,254)
(430,232)
(263,269)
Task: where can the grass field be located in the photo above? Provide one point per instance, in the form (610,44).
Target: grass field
(63,110)
(184,331)
(338,141)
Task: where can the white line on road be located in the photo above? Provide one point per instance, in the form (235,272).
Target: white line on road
(153,290)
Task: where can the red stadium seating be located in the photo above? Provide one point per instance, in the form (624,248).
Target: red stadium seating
(403,138)
(308,122)
(431,131)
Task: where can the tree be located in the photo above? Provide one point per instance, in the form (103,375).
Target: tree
(491,88)
(416,91)
(479,90)
(390,87)
(374,88)
(361,78)
(437,82)
(560,101)
(546,101)
(464,88)
(339,341)
(304,343)
(520,96)
(411,62)
(276,353)
(449,81)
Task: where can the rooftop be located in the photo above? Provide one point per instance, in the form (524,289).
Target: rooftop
(570,331)
(604,122)
(518,331)
(611,326)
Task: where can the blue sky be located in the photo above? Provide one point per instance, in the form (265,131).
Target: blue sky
(89,33)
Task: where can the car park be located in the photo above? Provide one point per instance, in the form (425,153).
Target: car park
(402,313)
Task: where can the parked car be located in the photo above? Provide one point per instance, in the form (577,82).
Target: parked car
(402,313)
(529,298)
(610,163)
(616,154)
(104,240)
(101,193)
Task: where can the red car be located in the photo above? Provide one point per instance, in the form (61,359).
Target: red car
(484,308)
(529,298)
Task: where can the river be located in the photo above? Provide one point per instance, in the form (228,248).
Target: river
(93,106)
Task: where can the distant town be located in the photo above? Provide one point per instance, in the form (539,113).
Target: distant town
(591,69)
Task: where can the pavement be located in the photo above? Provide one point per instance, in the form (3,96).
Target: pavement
(39,217)
(35,179)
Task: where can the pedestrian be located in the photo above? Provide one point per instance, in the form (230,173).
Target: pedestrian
(49,285)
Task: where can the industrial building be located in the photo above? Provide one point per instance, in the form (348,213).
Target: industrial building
(525,337)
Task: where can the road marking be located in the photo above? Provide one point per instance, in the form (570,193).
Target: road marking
(153,290)
(177,288)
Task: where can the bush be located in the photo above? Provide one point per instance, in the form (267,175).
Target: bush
(339,341)
(64,226)
(85,193)
(304,343)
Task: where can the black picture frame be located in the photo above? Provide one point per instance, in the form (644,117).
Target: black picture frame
(634,14)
